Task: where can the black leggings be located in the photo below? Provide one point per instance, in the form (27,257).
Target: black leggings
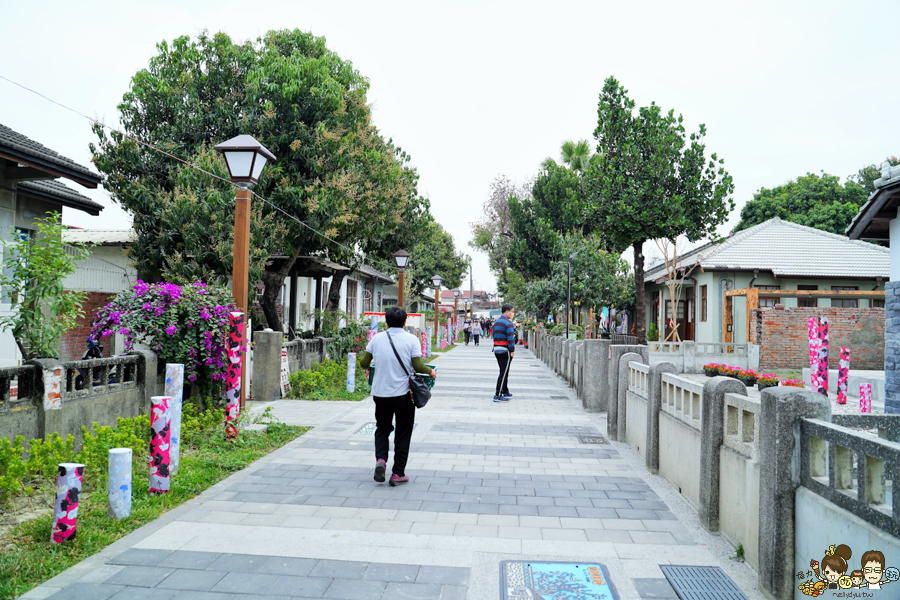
(385,410)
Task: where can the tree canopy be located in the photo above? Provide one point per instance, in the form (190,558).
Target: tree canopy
(334,171)
(651,180)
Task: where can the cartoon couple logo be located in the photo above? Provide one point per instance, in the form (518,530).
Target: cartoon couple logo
(872,574)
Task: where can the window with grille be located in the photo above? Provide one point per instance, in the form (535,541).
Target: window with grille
(876,303)
(768,302)
(844,302)
(351,298)
(703,303)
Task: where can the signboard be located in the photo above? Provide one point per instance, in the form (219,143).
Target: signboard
(521,580)
(285,373)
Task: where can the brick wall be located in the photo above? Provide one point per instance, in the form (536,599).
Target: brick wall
(74,344)
(783,336)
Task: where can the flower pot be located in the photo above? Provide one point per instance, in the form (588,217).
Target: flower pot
(748,382)
(762,386)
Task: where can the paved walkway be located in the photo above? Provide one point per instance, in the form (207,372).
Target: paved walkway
(489,482)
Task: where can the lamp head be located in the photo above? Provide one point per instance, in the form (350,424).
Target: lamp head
(436,280)
(401,257)
(245,158)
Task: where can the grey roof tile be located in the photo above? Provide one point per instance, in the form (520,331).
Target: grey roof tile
(61,192)
(787,249)
(16,141)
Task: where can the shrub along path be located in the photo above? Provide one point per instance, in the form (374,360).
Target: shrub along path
(488,482)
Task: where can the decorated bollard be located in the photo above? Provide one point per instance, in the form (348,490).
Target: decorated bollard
(823,356)
(160,443)
(233,377)
(424,345)
(175,391)
(351,371)
(373,327)
(865,397)
(118,483)
(430,338)
(813,327)
(69,478)
(843,373)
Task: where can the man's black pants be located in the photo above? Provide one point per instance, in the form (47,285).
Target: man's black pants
(504,360)
(385,410)
(467,332)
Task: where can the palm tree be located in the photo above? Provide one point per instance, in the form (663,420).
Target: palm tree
(577,156)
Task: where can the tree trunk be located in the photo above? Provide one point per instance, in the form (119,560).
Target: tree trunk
(273,282)
(640,307)
(334,291)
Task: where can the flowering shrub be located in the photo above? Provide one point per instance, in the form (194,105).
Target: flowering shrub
(793,383)
(728,371)
(767,379)
(746,374)
(182,324)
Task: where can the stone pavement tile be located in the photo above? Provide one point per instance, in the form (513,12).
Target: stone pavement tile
(194,595)
(263,519)
(295,510)
(189,560)
(238,563)
(354,589)
(432,528)
(610,503)
(608,535)
(80,591)
(412,591)
(580,523)
(558,511)
(136,593)
(633,513)
(457,518)
(666,515)
(390,526)
(519,533)
(285,565)
(226,518)
(391,572)
(629,524)
(572,535)
(305,587)
(652,537)
(138,576)
(343,569)
(304,522)
(518,510)
(140,557)
(443,575)
(422,516)
(654,588)
(245,583)
(489,531)
(347,524)
(541,522)
(191,579)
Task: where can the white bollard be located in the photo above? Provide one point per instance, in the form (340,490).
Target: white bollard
(119,482)
(351,371)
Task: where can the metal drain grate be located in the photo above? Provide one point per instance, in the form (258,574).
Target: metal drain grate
(592,439)
(701,583)
(559,397)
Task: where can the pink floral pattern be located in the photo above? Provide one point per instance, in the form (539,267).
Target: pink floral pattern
(843,373)
(69,478)
(865,397)
(233,378)
(160,444)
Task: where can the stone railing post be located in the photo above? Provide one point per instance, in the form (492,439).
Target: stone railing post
(596,367)
(689,353)
(779,477)
(147,375)
(612,392)
(622,391)
(892,347)
(581,371)
(654,404)
(712,435)
(267,365)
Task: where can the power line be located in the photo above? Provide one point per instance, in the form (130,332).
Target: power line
(193,166)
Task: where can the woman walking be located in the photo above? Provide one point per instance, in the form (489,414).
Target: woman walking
(396,353)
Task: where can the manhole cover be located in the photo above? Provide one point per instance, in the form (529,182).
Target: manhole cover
(369,429)
(701,583)
(592,439)
(561,581)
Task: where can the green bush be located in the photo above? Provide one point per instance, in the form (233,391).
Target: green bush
(653,333)
(328,381)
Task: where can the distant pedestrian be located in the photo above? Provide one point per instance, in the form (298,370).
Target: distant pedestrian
(476,331)
(504,346)
(390,388)
(467,328)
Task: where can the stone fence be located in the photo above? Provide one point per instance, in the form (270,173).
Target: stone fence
(689,357)
(61,397)
(776,474)
(302,355)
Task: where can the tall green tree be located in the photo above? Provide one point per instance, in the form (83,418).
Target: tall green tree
(819,201)
(334,171)
(652,180)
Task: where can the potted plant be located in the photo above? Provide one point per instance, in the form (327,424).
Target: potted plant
(793,383)
(746,376)
(712,369)
(727,371)
(766,380)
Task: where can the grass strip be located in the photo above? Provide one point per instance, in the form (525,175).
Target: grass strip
(29,558)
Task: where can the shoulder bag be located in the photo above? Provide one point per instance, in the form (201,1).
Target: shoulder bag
(417,386)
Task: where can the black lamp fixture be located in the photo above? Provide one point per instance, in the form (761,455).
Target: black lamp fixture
(245,158)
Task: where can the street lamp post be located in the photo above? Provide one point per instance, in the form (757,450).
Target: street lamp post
(569,290)
(436,280)
(401,257)
(246,159)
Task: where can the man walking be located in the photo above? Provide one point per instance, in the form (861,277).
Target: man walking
(504,347)
(390,388)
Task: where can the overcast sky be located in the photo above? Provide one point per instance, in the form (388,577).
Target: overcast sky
(473,89)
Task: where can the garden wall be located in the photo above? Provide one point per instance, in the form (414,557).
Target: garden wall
(783,337)
(73,345)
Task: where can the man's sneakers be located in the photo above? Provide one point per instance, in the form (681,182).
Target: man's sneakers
(398,480)
(379,471)
(507,395)
(501,398)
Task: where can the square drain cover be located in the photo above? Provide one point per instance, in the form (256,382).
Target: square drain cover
(559,397)
(592,439)
(524,580)
(369,429)
(701,583)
